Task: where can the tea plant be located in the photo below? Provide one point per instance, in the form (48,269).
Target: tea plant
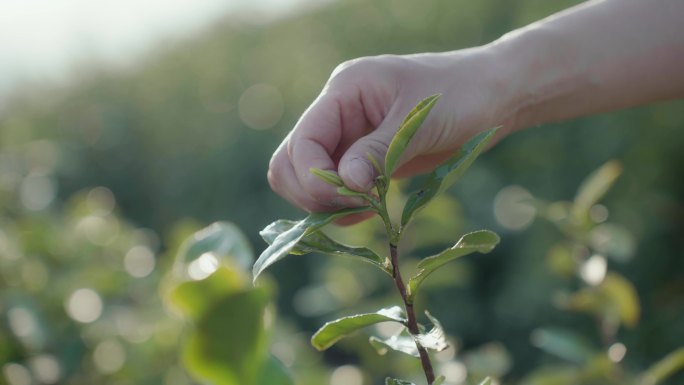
(305,236)
(583,258)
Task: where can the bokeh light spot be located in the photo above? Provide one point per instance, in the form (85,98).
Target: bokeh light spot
(100,201)
(139,261)
(37,192)
(261,106)
(16,374)
(109,356)
(84,305)
(594,269)
(346,375)
(513,208)
(617,352)
(46,368)
(21,321)
(455,371)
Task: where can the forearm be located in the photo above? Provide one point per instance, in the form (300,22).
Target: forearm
(596,57)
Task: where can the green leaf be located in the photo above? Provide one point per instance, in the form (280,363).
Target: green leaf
(486,381)
(375,163)
(344,191)
(223,240)
(564,344)
(317,241)
(491,359)
(394,381)
(406,131)
(274,373)
(439,380)
(482,241)
(615,298)
(335,330)
(195,298)
(405,343)
(594,187)
(435,339)
(664,369)
(446,174)
(328,177)
(286,241)
(228,344)
(402,343)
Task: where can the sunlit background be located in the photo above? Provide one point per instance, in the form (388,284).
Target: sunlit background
(127,126)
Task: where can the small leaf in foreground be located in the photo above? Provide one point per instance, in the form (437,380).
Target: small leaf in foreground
(482,241)
(486,381)
(401,343)
(406,131)
(439,380)
(594,187)
(446,174)
(224,241)
(286,241)
(317,241)
(335,330)
(328,177)
(664,369)
(435,339)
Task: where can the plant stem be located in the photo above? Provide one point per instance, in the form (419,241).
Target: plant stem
(412,324)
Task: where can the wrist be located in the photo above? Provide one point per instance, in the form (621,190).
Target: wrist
(540,75)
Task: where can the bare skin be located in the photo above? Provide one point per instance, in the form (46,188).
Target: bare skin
(596,57)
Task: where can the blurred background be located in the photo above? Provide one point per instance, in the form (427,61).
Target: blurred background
(126,126)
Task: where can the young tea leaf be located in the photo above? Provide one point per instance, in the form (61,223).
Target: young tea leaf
(335,330)
(486,381)
(664,369)
(594,187)
(446,174)
(394,381)
(482,241)
(439,380)
(286,241)
(375,163)
(406,131)
(317,241)
(328,177)
(344,191)
(435,339)
(402,343)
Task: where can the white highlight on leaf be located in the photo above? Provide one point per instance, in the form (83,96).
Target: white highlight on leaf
(204,266)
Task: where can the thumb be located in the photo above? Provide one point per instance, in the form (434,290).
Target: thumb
(355,169)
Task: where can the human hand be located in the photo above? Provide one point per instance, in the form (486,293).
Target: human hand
(360,109)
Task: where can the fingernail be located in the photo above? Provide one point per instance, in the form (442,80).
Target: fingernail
(360,173)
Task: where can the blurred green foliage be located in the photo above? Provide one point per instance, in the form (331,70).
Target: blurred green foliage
(185,137)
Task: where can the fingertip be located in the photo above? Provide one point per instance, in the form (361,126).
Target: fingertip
(357,174)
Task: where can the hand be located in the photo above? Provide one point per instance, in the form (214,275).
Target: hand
(360,109)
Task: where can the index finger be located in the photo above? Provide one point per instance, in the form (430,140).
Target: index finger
(321,132)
